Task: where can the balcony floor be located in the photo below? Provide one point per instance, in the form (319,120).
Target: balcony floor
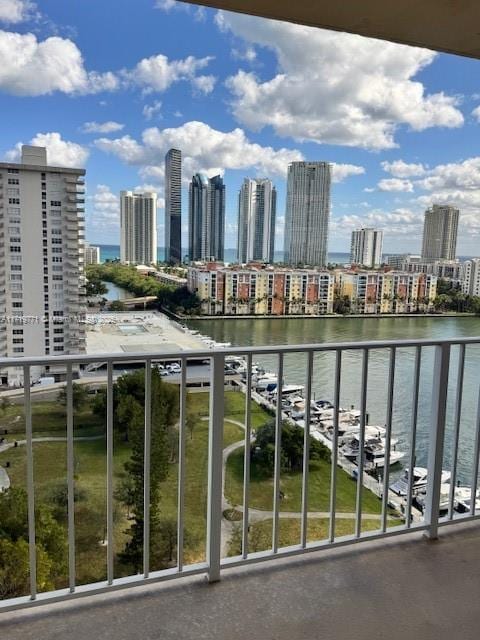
(405,587)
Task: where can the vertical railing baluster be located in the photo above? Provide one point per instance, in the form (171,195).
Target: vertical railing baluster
(181,464)
(413,434)
(436,438)
(388,439)
(456,428)
(32,550)
(361,444)
(246,457)
(476,450)
(334,455)
(278,456)
(306,450)
(215,464)
(110,472)
(146,468)
(70,482)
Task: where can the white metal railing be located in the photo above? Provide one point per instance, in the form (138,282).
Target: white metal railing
(430,522)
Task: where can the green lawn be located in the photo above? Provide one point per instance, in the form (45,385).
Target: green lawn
(49,419)
(90,480)
(261,488)
(260,534)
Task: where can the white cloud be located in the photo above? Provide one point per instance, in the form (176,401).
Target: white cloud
(62,153)
(476,113)
(395,184)
(334,88)
(150,110)
(102,127)
(342,171)
(205,149)
(401,169)
(457,184)
(158,73)
(15,11)
(32,68)
(248,53)
(103,215)
(167,5)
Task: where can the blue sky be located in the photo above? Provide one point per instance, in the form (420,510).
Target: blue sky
(112,85)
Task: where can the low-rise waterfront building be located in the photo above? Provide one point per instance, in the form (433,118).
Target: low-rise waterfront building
(445,269)
(257,290)
(386,292)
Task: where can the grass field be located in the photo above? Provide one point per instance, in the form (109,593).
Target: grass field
(260,534)
(90,481)
(261,488)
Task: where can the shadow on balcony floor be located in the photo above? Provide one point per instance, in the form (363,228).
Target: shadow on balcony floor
(402,588)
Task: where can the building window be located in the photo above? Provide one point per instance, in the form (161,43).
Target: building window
(11,170)
(55,203)
(17,332)
(58,348)
(15,249)
(14,201)
(17,341)
(15,267)
(17,349)
(13,181)
(13,192)
(17,305)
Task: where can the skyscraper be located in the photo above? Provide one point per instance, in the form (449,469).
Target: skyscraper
(138,227)
(173,206)
(257,203)
(42,226)
(440,228)
(366,247)
(307,213)
(206,218)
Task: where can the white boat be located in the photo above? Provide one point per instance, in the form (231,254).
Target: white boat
(371,431)
(463,499)
(444,501)
(374,451)
(400,487)
(266,381)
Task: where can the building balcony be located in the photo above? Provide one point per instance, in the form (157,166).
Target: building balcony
(364,545)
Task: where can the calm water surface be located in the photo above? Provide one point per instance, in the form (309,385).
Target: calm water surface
(306,331)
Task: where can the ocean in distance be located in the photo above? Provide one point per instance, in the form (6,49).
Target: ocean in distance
(112,252)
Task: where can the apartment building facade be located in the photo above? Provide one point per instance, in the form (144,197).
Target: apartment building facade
(42,282)
(252,290)
(138,227)
(440,228)
(92,254)
(386,292)
(366,247)
(257,204)
(471,277)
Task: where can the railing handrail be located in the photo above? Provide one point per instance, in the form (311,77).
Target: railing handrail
(230,351)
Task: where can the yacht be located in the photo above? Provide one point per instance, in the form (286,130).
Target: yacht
(400,487)
(444,501)
(463,499)
(374,451)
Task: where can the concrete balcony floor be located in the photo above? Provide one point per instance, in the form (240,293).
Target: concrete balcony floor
(406,587)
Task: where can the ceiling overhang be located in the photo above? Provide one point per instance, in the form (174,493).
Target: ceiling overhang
(452,26)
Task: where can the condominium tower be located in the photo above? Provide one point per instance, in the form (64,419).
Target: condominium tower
(173,206)
(92,254)
(440,233)
(42,269)
(471,277)
(366,247)
(206,218)
(307,213)
(138,227)
(257,203)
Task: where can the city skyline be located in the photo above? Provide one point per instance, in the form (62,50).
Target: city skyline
(208,95)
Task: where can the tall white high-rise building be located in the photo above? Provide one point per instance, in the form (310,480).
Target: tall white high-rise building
(440,233)
(138,227)
(307,213)
(206,218)
(366,247)
(471,277)
(173,206)
(92,254)
(257,202)
(42,294)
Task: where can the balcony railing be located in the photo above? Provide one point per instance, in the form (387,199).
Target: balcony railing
(436,370)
